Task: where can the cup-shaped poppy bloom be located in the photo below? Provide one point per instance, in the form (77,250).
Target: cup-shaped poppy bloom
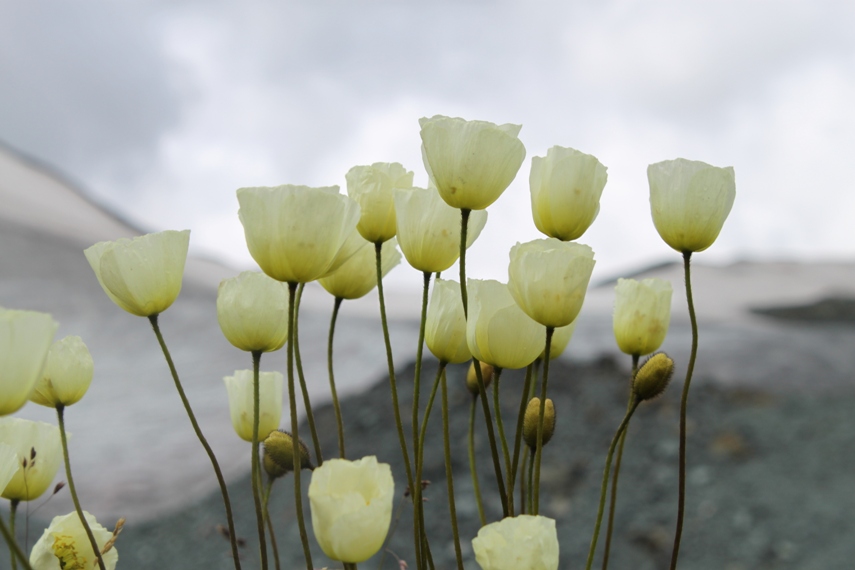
(295,233)
(141,275)
(39,449)
(372,187)
(566,186)
(239,388)
(689,201)
(351,505)
(445,325)
(498,332)
(64,545)
(471,162)
(25,339)
(67,375)
(560,339)
(516,543)
(358,275)
(548,279)
(642,314)
(252,310)
(429,229)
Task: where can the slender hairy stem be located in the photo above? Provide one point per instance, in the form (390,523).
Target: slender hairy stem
(256,476)
(13,510)
(202,440)
(497,406)
(14,547)
(530,481)
(60,414)
(378,247)
(605,485)
(523,483)
(270,523)
(512,474)
(420,450)
(539,450)
(419,512)
(292,397)
(336,406)
(482,391)
(684,400)
(310,416)
(476,487)
(449,476)
(350,566)
(613,501)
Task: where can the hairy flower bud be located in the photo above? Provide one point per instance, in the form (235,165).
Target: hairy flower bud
(653,376)
(532,418)
(472,378)
(278,457)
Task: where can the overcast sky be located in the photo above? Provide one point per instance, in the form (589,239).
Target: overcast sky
(163,109)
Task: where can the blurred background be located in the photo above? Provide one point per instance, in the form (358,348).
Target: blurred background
(121,118)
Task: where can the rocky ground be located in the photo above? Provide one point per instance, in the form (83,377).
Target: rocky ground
(770,479)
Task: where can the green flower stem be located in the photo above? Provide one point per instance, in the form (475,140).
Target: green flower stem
(497,406)
(292,398)
(482,391)
(256,492)
(419,512)
(349,566)
(60,414)
(684,400)
(14,547)
(539,450)
(336,406)
(449,476)
(378,247)
(530,481)
(472,469)
(202,440)
(420,449)
(273,544)
(616,475)
(512,474)
(310,416)
(605,484)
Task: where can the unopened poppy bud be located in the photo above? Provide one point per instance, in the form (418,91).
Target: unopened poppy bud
(278,457)
(653,376)
(472,378)
(532,418)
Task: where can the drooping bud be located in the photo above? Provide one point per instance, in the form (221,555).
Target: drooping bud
(472,378)
(653,376)
(532,418)
(278,457)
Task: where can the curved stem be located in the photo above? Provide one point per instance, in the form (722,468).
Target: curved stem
(482,391)
(684,400)
(449,476)
(530,481)
(14,547)
(378,248)
(273,544)
(605,484)
(512,474)
(256,492)
(60,413)
(613,500)
(476,487)
(539,450)
(418,512)
(336,406)
(292,397)
(310,416)
(420,449)
(497,407)
(228,505)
